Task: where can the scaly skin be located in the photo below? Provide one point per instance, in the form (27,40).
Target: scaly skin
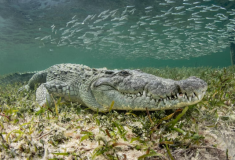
(129,89)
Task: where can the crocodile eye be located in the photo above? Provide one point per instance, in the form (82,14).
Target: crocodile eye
(109,72)
(124,73)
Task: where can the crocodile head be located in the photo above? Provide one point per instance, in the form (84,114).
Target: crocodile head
(135,90)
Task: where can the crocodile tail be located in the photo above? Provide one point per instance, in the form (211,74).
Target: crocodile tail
(15,78)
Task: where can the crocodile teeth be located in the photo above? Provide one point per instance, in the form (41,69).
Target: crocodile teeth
(199,96)
(193,95)
(152,101)
(180,96)
(166,100)
(144,93)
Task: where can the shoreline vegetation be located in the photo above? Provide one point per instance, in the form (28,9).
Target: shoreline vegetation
(70,131)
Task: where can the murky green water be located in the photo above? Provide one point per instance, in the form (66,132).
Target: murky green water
(115,34)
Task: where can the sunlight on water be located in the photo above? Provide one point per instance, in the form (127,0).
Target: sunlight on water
(169,30)
(132,33)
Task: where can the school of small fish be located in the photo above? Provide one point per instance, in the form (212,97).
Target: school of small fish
(162,31)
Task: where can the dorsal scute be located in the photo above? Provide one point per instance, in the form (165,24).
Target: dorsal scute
(72,73)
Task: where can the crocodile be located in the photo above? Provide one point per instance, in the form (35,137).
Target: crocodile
(98,88)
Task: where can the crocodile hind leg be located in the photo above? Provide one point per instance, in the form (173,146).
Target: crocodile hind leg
(39,77)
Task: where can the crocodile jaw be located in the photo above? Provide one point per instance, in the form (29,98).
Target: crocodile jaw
(125,101)
(178,94)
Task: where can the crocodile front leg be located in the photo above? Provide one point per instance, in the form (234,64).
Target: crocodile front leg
(43,97)
(59,89)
